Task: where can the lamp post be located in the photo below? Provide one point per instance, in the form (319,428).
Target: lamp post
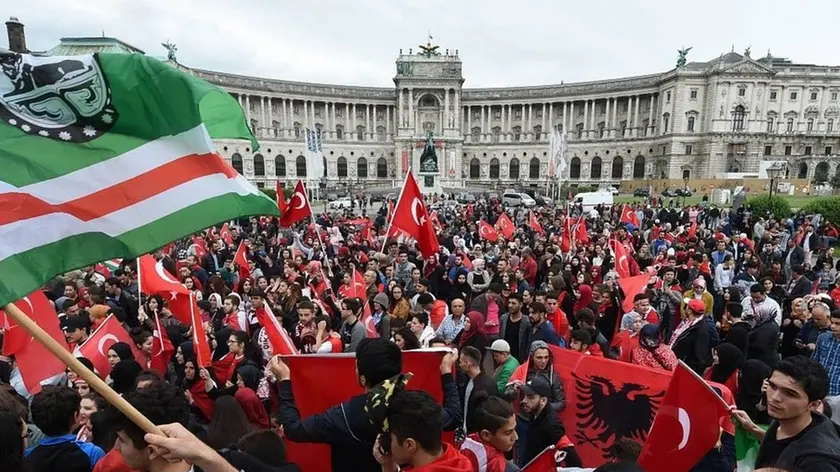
(774,171)
(685,189)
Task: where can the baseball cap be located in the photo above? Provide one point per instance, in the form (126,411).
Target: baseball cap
(537,386)
(696,305)
(499,345)
(72,323)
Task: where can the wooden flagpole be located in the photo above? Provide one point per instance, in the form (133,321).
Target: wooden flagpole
(92,379)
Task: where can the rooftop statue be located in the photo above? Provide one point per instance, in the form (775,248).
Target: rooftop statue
(171,49)
(682,54)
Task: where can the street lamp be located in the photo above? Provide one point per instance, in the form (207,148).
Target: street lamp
(685,189)
(774,171)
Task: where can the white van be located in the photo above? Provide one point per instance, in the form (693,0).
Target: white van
(516,199)
(589,200)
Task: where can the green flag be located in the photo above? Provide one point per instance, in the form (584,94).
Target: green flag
(746,449)
(106,156)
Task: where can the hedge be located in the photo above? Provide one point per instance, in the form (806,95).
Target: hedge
(763,205)
(828,207)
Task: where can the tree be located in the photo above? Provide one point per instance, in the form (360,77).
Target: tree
(821,175)
(835,182)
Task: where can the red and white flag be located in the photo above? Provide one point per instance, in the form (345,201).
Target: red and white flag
(410,216)
(36,362)
(106,335)
(534,223)
(487,232)
(226,235)
(505,226)
(281,198)
(162,349)
(629,216)
(281,342)
(686,427)
(241,260)
(620,258)
(546,461)
(632,286)
(581,235)
(156,280)
(298,208)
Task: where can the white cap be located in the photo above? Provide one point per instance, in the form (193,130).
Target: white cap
(499,345)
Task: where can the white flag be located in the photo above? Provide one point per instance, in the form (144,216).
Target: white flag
(559,148)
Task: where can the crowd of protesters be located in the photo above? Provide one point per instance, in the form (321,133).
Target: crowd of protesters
(750,302)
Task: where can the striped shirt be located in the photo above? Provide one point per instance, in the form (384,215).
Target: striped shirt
(827,353)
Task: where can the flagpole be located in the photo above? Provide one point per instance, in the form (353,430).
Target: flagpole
(139,284)
(705,384)
(396,205)
(92,379)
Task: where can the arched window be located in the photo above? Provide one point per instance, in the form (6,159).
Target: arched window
(738,118)
(382,168)
(686,174)
(534,168)
(475,169)
(803,171)
(574,168)
(236,162)
(300,166)
(342,166)
(595,170)
(494,168)
(259,165)
(361,168)
(821,173)
(514,168)
(618,167)
(360,133)
(280,166)
(339,132)
(639,167)
(690,125)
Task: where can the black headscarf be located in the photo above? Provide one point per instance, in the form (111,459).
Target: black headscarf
(753,373)
(124,374)
(123,350)
(251,375)
(221,343)
(730,359)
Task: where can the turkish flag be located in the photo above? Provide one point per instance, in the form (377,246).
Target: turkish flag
(487,232)
(632,286)
(281,198)
(226,235)
(298,208)
(686,426)
(390,214)
(534,223)
(156,280)
(692,231)
(620,258)
(367,320)
(36,362)
(320,381)
(162,349)
(506,226)
(199,335)
(566,237)
(200,246)
(96,347)
(241,260)
(434,217)
(629,216)
(581,235)
(279,339)
(544,462)
(410,217)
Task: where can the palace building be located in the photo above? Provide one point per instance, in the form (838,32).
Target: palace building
(733,115)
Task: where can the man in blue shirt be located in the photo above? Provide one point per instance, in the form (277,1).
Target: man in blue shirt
(54,411)
(827,353)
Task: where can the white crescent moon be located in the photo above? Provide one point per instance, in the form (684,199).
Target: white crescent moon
(483,230)
(685,423)
(164,274)
(31,308)
(300,197)
(102,342)
(414,204)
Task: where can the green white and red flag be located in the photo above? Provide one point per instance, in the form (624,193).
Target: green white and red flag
(109,156)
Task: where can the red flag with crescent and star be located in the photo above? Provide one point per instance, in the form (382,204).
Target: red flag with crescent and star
(226,235)
(106,335)
(487,232)
(34,361)
(620,257)
(629,216)
(162,349)
(686,427)
(566,237)
(298,208)
(506,226)
(241,260)
(534,223)
(156,280)
(281,198)
(632,286)
(280,341)
(411,217)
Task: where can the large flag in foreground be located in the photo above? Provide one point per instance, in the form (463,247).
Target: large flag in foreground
(320,381)
(106,156)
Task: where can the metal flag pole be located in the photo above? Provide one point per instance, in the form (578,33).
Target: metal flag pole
(396,205)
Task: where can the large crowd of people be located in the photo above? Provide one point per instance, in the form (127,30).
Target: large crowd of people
(750,302)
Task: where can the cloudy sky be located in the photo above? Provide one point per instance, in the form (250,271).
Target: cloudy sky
(501,43)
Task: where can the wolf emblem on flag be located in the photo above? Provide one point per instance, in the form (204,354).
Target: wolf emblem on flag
(65,98)
(611,413)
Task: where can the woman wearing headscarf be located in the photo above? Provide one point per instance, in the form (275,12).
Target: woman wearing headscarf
(473,333)
(124,374)
(651,352)
(791,326)
(175,370)
(764,335)
(194,389)
(478,278)
(583,299)
(691,341)
(726,364)
(627,337)
(248,378)
(750,396)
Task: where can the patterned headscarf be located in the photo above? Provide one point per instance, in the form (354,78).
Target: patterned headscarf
(377,401)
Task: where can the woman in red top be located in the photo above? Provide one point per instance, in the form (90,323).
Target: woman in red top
(651,353)
(473,332)
(726,366)
(627,337)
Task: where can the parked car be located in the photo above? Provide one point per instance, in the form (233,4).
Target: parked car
(610,189)
(340,203)
(465,198)
(518,199)
(641,192)
(684,192)
(670,193)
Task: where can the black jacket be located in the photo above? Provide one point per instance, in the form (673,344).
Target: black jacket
(693,346)
(482,383)
(816,450)
(545,430)
(764,343)
(739,336)
(346,427)
(524,330)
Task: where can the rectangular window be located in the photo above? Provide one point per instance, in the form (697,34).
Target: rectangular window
(789,128)
(497,114)
(476,115)
(380,114)
(339,113)
(833,96)
(793,95)
(517,114)
(810,124)
(813,95)
(772,95)
(688,149)
(829,125)
(828,150)
(788,150)
(317,113)
(742,91)
(807,150)
(770,123)
(538,113)
(768,150)
(693,95)
(296,109)
(668,97)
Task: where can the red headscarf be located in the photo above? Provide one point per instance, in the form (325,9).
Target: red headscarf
(476,327)
(585,299)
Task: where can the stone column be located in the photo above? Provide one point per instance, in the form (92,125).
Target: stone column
(367,120)
(543,117)
(565,117)
(571,123)
(469,120)
(483,129)
(411,112)
(248,109)
(456,105)
(399,109)
(348,128)
(353,121)
(388,119)
(585,119)
(445,122)
(615,117)
(607,118)
(550,116)
(636,117)
(650,115)
(530,119)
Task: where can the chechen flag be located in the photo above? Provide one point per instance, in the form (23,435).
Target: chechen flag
(506,226)
(298,208)
(410,216)
(686,427)
(629,216)
(128,164)
(100,341)
(35,362)
(487,232)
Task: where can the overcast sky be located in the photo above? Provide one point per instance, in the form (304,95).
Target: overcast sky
(501,43)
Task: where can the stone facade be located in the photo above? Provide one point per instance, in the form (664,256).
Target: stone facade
(701,121)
